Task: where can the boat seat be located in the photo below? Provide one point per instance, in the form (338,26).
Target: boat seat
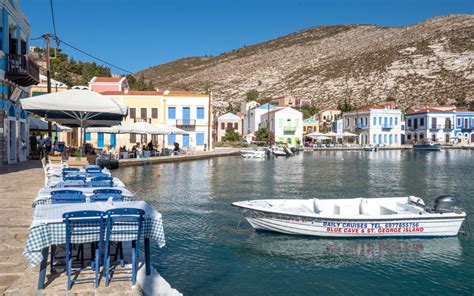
(346,210)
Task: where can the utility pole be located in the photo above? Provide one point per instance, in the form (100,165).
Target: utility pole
(48,78)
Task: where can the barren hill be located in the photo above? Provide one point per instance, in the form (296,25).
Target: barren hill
(428,63)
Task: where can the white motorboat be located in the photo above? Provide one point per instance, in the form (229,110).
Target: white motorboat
(370,148)
(357,217)
(253,153)
(427,146)
(282,152)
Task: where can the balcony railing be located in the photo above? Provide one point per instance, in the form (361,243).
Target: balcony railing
(289,130)
(467,128)
(189,123)
(22,70)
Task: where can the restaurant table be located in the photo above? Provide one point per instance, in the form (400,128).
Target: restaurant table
(48,228)
(44,194)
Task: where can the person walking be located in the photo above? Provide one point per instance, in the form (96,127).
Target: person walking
(48,145)
(41,146)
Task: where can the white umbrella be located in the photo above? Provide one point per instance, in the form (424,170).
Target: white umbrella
(123,128)
(75,107)
(348,134)
(178,131)
(80,108)
(331,134)
(315,134)
(146,128)
(38,124)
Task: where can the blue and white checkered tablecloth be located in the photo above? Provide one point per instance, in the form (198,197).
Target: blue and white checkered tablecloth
(48,228)
(44,194)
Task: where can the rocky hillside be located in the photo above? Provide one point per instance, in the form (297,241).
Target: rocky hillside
(428,63)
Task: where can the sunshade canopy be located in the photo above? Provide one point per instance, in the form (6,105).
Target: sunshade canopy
(40,125)
(123,128)
(76,108)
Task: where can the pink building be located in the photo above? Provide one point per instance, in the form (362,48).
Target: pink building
(103,84)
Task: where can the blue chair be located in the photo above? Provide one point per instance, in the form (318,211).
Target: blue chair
(67,196)
(74,178)
(105,194)
(84,223)
(95,175)
(101,182)
(93,170)
(123,224)
(69,171)
(92,166)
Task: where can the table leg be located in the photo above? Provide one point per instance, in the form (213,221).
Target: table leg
(147,256)
(43,265)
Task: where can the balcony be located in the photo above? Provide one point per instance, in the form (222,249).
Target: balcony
(289,130)
(447,128)
(466,128)
(186,123)
(22,70)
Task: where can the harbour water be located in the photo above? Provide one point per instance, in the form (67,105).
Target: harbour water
(211,251)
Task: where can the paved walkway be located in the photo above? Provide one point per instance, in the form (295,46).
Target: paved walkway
(177,158)
(19,184)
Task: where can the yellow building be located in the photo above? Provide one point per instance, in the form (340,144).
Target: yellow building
(310,125)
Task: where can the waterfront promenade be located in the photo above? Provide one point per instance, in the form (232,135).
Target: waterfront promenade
(19,184)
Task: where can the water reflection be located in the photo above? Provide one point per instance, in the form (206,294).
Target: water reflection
(341,252)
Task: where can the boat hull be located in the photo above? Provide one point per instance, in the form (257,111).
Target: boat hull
(427,147)
(301,225)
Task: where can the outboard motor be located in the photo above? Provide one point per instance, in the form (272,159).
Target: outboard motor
(447,204)
(293,150)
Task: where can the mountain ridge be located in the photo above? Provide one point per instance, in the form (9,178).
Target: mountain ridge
(430,62)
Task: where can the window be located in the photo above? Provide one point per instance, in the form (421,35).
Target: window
(422,136)
(133,113)
(133,138)
(229,125)
(409,137)
(222,125)
(422,122)
(385,121)
(385,139)
(171,139)
(143,113)
(347,122)
(199,138)
(236,126)
(391,121)
(154,112)
(409,122)
(466,122)
(144,139)
(374,139)
(396,120)
(396,138)
(390,139)
(88,136)
(375,122)
(366,121)
(200,112)
(380,120)
(171,112)
(433,122)
(459,121)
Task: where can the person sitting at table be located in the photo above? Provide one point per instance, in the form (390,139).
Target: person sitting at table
(176,148)
(150,145)
(134,151)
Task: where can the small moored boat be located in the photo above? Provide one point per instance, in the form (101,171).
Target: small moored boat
(427,146)
(357,217)
(370,148)
(253,153)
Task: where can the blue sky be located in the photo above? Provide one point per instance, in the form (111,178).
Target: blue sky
(137,34)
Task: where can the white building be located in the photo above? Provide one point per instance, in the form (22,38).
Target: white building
(376,125)
(431,124)
(252,117)
(191,112)
(286,124)
(226,122)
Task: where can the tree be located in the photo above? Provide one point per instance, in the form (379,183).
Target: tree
(345,106)
(139,84)
(232,136)
(252,95)
(308,110)
(264,135)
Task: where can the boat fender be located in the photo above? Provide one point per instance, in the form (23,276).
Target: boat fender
(416,200)
(364,206)
(317,205)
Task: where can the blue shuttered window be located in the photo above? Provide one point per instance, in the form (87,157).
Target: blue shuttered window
(374,138)
(88,136)
(171,139)
(171,112)
(375,121)
(200,113)
(199,138)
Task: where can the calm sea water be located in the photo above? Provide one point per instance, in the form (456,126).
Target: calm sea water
(211,251)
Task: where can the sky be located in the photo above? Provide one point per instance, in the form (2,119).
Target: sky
(138,34)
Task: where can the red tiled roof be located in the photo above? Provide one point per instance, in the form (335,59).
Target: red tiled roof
(133,93)
(108,79)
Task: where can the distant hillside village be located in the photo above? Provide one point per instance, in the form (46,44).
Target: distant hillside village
(281,119)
